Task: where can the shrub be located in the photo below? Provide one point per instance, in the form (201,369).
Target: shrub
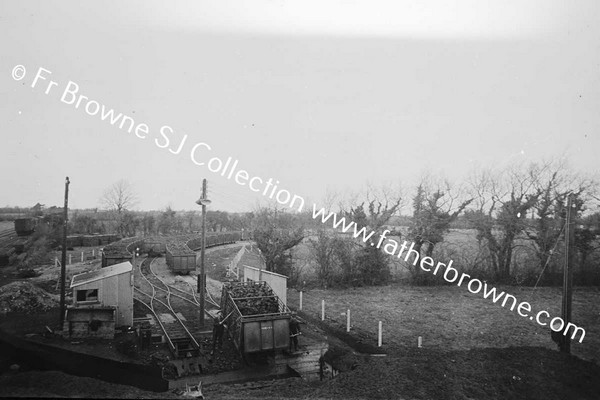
(27,273)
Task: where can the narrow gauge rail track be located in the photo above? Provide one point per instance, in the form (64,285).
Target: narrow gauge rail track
(193,298)
(156,296)
(7,237)
(7,233)
(184,295)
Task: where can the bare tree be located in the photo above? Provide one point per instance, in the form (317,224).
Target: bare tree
(362,262)
(117,199)
(554,182)
(435,206)
(276,232)
(502,201)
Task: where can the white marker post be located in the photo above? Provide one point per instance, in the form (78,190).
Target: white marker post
(420,342)
(70,255)
(300,307)
(380,335)
(55,262)
(82,256)
(322,310)
(348,321)
(93,253)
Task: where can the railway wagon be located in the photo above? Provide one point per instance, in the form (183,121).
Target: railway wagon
(180,258)
(74,241)
(120,251)
(214,239)
(257,319)
(25,226)
(218,239)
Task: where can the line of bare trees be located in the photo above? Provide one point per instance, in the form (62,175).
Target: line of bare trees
(515,220)
(117,216)
(516,216)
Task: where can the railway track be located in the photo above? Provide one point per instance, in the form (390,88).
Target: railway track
(8,237)
(175,292)
(7,233)
(157,296)
(193,297)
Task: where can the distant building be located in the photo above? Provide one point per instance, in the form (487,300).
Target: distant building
(102,301)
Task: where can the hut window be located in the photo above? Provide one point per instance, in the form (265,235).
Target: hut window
(87,295)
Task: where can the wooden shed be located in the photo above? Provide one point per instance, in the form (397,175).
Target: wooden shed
(102,300)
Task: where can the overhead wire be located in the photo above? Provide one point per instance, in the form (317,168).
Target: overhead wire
(549,258)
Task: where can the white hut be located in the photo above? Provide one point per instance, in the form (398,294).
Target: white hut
(102,300)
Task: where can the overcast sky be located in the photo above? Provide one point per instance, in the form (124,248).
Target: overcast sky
(314,94)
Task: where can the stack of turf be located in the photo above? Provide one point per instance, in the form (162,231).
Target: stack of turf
(25,297)
(253,298)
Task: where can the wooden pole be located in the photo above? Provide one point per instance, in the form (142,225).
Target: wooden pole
(568,274)
(201,276)
(63,264)
(348,321)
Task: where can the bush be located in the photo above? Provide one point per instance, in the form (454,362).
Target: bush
(372,266)
(27,273)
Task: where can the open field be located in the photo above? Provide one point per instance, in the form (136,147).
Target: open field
(7,226)
(451,318)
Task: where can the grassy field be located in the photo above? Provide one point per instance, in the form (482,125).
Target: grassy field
(451,318)
(7,226)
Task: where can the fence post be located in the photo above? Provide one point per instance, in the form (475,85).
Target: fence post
(420,342)
(82,256)
(322,310)
(379,337)
(93,253)
(70,255)
(300,308)
(348,321)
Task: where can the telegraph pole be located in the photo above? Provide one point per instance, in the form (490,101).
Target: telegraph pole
(203,201)
(568,274)
(63,262)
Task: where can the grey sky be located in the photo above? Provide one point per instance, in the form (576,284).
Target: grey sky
(313,94)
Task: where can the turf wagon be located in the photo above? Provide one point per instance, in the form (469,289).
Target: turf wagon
(257,320)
